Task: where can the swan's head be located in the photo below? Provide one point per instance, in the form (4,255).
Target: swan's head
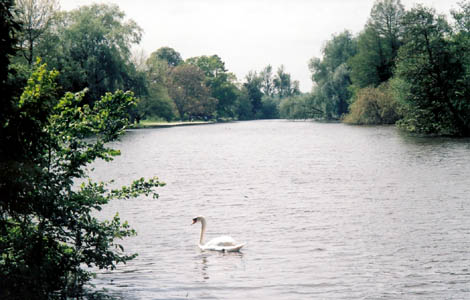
(197,219)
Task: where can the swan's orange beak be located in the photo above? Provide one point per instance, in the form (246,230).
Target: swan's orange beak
(194,221)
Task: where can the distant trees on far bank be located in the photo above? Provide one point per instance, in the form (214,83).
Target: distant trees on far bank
(91,48)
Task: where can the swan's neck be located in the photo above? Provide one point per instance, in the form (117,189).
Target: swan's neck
(203,230)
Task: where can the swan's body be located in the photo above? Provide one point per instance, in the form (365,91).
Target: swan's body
(221,243)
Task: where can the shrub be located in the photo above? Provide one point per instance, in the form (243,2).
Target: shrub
(374,106)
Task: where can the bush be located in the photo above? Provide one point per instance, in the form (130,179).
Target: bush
(48,231)
(374,106)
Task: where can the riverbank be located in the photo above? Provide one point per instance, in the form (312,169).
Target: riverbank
(153,124)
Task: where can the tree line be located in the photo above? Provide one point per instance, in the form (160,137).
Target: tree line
(409,67)
(91,48)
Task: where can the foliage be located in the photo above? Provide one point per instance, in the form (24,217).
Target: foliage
(331,75)
(47,224)
(269,108)
(299,107)
(220,82)
(156,103)
(266,90)
(243,105)
(8,38)
(437,95)
(283,85)
(190,94)
(267,81)
(37,17)
(378,45)
(169,55)
(252,86)
(91,48)
(374,106)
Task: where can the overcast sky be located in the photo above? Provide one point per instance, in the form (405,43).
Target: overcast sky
(249,34)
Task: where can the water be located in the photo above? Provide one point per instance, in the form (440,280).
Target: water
(329,211)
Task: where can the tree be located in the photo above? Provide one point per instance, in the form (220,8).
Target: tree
(331,76)
(299,107)
(190,94)
(374,106)
(94,50)
(436,92)
(462,34)
(157,102)
(252,86)
(36,17)
(8,38)
(47,224)
(169,55)
(283,85)
(220,82)
(378,44)
(267,84)
(243,105)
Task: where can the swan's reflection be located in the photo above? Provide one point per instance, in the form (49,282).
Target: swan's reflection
(208,258)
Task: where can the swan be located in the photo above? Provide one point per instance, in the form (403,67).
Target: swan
(221,243)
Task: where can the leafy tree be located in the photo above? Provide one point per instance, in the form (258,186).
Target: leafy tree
(378,44)
(331,76)
(385,19)
(267,84)
(36,17)
(299,107)
(93,50)
(252,86)
(462,35)
(8,38)
(374,106)
(190,94)
(336,52)
(169,55)
(436,92)
(243,105)
(47,224)
(269,108)
(283,85)
(157,102)
(220,82)
(212,66)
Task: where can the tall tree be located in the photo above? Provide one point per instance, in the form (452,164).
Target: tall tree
(252,86)
(190,94)
(378,44)
(267,84)
(157,102)
(94,50)
(169,55)
(331,75)
(220,82)
(36,17)
(436,97)
(283,84)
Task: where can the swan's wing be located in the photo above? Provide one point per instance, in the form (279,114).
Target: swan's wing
(221,241)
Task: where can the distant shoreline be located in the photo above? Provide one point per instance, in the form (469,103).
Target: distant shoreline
(147,124)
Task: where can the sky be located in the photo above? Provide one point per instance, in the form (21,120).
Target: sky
(249,34)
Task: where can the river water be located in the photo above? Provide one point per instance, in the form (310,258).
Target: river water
(328,211)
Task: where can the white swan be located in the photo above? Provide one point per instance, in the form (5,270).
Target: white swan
(221,243)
